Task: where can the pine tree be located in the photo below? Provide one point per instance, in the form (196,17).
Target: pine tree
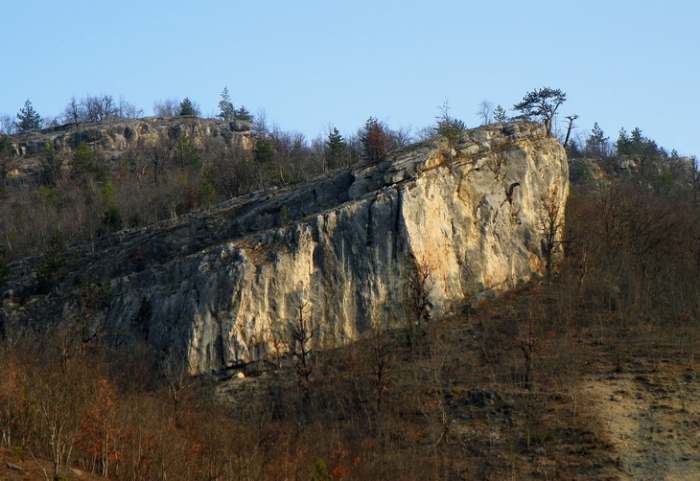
(499,115)
(226,110)
(597,142)
(187,107)
(623,143)
(28,118)
(242,114)
(541,104)
(637,137)
(644,147)
(336,149)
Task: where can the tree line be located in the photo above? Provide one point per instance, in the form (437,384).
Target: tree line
(84,195)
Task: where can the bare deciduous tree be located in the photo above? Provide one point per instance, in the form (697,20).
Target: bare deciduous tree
(550,227)
(166,108)
(300,336)
(485,112)
(73,112)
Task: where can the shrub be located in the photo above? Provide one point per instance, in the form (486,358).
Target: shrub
(112,218)
(264,150)
(451,130)
(320,472)
(186,154)
(448,127)
(84,161)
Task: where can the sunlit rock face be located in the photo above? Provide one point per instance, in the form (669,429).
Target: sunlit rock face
(217,289)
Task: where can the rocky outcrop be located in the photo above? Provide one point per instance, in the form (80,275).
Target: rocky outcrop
(111,139)
(215,289)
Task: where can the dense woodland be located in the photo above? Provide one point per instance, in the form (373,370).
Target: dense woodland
(389,406)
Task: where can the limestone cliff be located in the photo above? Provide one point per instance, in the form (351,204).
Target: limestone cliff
(111,139)
(213,289)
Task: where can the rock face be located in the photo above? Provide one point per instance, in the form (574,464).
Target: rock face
(111,139)
(216,289)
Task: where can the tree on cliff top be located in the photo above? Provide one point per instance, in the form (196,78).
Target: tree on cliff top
(597,143)
(335,149)
(226,110)
(187,107)
(243,114)
(375,139)
(28,118)
(541,104)
(449,127)
(499,115)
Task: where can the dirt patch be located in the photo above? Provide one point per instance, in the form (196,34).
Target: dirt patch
(651,417)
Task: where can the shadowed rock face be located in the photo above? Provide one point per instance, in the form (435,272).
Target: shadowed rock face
(214,289)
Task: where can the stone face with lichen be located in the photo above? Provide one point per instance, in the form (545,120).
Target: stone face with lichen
(216,289)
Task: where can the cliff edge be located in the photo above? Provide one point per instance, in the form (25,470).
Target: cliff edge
(215,289)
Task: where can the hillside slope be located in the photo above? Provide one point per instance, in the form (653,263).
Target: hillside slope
(415,235)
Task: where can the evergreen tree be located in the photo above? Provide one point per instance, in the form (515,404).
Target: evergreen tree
(645,147)
(541,104)
(28,118)
(623,144)
(499,115)
(449,127)
(264,150)
(84,161)
(597,142)
(637,145)
(636,135)
(187,107)
(186,154)
(226,111)
(336,149)
(242,114)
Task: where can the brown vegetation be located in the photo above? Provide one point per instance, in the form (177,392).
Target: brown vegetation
(516,388)
(84,195)
(494,395)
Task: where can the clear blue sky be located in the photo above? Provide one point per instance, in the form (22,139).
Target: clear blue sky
(309,63)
